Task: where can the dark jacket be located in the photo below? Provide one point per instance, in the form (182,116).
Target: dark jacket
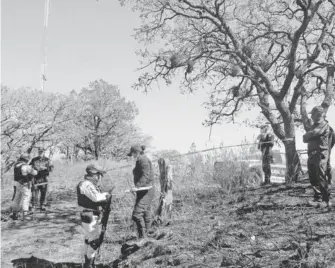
(266,142)
(143,173)
(317,137)
(43,165)
(331,141)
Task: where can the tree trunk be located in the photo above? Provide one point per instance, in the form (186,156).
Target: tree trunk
(293,166)
(96,149)
(165,202)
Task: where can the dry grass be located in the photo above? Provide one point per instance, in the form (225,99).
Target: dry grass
(226,221)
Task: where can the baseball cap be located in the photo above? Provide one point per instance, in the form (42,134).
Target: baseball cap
(317,110)
(94,169)
(134,149)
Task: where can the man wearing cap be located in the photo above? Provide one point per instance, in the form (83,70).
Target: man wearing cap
(317,139)
(23,174)
(44,166)
(265,144)
(92,200)
(143,180)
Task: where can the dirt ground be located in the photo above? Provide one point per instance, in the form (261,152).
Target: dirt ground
(269,226)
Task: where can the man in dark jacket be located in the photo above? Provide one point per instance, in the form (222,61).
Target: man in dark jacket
(143,180)
(317,139)
(331,143)
(92,200)
(266,142)
(44,166)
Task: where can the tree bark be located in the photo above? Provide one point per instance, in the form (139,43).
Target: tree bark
(96,149)
(165,202)
(293,166)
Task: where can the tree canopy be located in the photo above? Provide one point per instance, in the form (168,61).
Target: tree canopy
(97,121)
(274,54)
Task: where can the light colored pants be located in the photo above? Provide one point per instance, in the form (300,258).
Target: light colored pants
(91,232)
(21,198)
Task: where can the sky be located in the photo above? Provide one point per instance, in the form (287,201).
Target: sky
(89,40)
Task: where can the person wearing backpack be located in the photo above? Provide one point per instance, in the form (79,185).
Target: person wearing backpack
(265,144)
(23,175)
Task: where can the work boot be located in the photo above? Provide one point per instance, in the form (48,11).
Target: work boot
(327,205)
(315,203)
(89,263)
(42,207)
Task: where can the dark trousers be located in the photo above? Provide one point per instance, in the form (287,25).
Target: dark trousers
(329,169)
(42,189)
(142,211)
(266,165)
(317,171)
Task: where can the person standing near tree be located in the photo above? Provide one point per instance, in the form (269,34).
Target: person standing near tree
(92,200)
(331,143)
(317,139)
(23,175)
(44,166)
(265,144)
(143,178)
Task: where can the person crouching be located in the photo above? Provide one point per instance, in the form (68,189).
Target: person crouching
(91,199)
(143,178)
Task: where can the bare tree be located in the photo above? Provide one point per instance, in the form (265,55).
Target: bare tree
(268,53)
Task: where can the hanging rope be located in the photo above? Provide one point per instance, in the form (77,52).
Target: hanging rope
(45,62)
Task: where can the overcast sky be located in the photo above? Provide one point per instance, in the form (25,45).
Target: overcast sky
(89,40)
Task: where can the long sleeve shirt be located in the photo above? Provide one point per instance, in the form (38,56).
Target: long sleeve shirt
(42,163)
(266,142)
(88,189)
(28,170)
(317,137)
(143,173)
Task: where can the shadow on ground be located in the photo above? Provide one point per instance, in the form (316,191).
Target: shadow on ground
(34,262)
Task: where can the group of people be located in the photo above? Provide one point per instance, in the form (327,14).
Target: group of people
(92,199)
(320,139)
(30,181)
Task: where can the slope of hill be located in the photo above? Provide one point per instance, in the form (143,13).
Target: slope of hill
(269,226)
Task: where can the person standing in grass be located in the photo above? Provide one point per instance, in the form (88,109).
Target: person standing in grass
(44,166)
(317,138)
(265,144)
(143,178)
(23,174)
(331,143)
(92,200)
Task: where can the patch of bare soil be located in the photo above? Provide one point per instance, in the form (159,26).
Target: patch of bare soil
(269,226)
